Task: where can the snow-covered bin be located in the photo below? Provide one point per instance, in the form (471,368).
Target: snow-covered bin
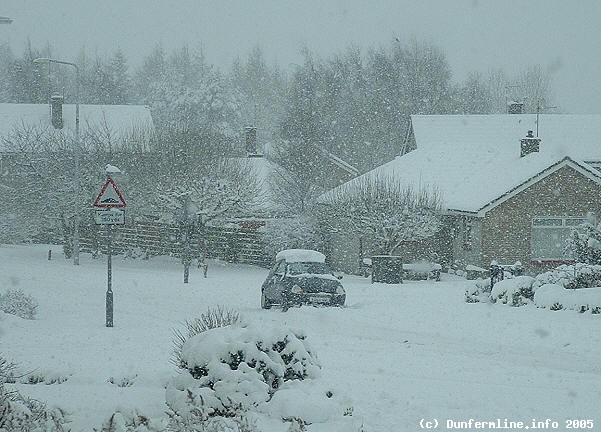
(387,269)
(556,297)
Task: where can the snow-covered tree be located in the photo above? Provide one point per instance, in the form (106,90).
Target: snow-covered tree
(262,89)
(473,96)
(191,193)
(585,242)
(385,212)
(186,92)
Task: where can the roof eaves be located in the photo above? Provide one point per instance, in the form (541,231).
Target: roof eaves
(458,212)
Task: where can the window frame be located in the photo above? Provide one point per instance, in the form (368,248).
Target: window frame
(559,224)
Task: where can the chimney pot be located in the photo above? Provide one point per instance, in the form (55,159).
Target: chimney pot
(515,108)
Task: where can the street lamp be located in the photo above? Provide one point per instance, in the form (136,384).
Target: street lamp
(77,151)
(5,20)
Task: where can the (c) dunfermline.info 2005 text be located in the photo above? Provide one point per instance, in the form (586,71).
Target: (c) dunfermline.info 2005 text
(506,424)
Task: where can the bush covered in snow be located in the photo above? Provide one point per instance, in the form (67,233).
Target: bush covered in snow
(574,276)
(130,421)
(566,287)
(19,413)
(238,375)
(478,292)
(238,367)
(308,402)
(516,291)
(557,297)
(16,302)
(586,245)
(212,318)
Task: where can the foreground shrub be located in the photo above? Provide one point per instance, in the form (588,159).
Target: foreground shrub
(131,421)
(231,369)
(198,420)
(212,318)
(16,302)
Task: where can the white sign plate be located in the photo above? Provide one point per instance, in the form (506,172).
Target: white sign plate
(109,216)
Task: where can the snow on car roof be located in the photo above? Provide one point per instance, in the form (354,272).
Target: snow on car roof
(300,255)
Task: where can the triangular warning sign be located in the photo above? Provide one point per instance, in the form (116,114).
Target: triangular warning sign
(109,196)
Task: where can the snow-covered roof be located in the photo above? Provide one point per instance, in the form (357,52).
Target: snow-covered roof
(300,255)
(120,120)
(474,160)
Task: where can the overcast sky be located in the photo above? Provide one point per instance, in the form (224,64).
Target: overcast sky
(476,35)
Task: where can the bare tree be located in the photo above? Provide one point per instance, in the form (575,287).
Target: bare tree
(385,211)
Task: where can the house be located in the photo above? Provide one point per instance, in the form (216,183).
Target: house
(513,186)
(110,128)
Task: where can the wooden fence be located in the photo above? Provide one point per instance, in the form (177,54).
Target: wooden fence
(237,245)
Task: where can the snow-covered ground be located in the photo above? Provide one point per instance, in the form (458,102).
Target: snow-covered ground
(400,353)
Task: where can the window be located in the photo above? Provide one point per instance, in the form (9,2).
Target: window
(550,237)
(308,268)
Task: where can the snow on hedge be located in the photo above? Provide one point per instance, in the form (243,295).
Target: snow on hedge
(515,291)
(577,275)
(241,372)
(239,367)
(556,297)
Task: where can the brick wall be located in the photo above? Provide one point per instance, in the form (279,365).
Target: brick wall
(506,229)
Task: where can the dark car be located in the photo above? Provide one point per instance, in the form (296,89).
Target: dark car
(301,276)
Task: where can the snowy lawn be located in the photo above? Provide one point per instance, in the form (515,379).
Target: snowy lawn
(400,353)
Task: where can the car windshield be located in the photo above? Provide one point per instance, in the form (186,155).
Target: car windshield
(308,268)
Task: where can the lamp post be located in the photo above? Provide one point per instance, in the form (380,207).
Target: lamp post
(76,153)
(5,20)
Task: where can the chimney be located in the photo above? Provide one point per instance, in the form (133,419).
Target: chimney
(515,108)
(56,111)
(251,141)
(530,144)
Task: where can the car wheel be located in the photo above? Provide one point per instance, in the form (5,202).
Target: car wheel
(265,303)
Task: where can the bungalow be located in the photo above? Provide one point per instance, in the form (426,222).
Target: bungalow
(513,186)
(110,128)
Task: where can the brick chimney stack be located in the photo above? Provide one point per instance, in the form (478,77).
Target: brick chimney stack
(515,108)
(529,144)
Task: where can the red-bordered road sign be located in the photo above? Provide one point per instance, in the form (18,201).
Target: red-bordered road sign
(109,196)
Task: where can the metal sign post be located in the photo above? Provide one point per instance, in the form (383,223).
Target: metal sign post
(109,211)
(109,279)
